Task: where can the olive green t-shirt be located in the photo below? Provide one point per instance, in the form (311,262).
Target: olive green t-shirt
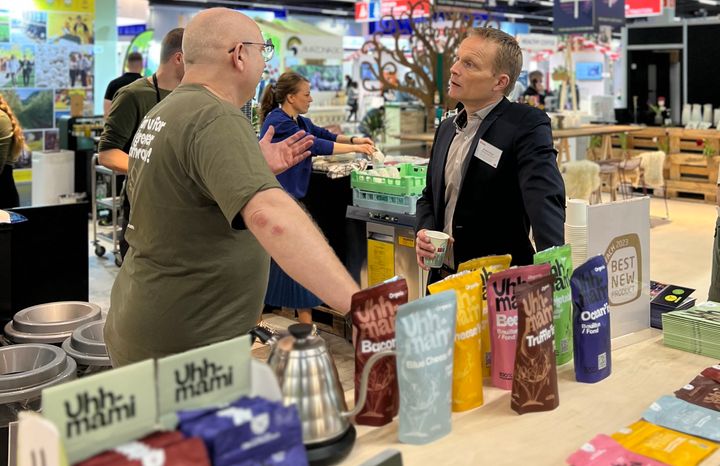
(6,139)
(193,274)
(129,106)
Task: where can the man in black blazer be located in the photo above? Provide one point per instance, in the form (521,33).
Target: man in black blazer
(493,174)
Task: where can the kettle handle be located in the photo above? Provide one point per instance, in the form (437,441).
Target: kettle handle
(364,382)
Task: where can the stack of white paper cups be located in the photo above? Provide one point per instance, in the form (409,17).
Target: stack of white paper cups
(576,230)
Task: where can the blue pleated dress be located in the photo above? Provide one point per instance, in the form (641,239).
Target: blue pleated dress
(283,291)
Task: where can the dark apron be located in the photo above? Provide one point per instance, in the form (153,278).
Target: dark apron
(8,192)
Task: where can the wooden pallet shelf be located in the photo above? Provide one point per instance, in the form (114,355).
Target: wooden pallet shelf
(688,171)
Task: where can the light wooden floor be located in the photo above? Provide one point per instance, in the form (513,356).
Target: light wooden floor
(680,254)
(681,250)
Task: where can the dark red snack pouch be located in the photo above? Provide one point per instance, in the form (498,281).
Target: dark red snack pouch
(535,386)
(158,440)
(373,317)
(702,391)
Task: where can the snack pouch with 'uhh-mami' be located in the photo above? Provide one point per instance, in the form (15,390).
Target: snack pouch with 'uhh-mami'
(487,266)
(467,366)
(663,444)
(535,386)
(560,259)
(591,319)
(503,318)
(373,317)
(424,337)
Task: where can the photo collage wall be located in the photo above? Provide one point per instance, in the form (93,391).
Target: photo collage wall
(46,56)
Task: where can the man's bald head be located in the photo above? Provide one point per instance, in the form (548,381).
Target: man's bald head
(210,34)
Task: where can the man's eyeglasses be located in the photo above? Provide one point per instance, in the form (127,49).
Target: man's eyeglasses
(267,51)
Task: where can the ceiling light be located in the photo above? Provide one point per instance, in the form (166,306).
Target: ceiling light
(709,2)
(544,3)
(335,12)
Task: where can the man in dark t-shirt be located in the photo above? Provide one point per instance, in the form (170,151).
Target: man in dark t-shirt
(133,73)
(128,108)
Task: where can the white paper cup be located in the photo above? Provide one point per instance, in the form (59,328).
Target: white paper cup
(440,241)
(576,213)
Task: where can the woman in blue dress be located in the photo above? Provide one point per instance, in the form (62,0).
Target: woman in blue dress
(281,107)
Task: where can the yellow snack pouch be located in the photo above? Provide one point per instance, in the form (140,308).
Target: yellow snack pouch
(487,266)
(663,444)
(467,386)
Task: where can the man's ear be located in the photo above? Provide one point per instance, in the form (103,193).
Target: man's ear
(239,58)
(502,83)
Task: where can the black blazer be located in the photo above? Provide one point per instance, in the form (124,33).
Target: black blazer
(497,207)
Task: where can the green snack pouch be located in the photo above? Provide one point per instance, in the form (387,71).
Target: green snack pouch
(560,260)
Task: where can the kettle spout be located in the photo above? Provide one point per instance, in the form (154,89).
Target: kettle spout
(364,382)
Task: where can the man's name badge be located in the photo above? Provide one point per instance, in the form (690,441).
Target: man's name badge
(488,153)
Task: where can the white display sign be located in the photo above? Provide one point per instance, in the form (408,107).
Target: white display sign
(620,232)
(316,47)
(537,42)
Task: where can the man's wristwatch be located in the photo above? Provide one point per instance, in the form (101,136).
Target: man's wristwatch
(352,139)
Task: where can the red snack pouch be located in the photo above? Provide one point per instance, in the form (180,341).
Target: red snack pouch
(373,318)
(157,440)
(503,318)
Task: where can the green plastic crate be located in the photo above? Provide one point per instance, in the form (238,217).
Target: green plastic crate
(410,183)
(385,202)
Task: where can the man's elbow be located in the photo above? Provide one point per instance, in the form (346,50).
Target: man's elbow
(264,224)
(103,159)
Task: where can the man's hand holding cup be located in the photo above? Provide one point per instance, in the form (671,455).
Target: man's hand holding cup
(430,248)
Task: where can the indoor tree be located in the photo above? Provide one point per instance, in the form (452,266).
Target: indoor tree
(433,41)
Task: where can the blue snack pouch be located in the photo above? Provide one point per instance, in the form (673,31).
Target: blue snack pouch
(425,340)
(682,416)
(591,321)
(249,430)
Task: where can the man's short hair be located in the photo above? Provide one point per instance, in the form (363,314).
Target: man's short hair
(135,57)
(171,44)
(535,76)
(508,59)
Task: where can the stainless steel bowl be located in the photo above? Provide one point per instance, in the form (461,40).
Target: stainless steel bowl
(27,369)
(87,345)
(50,323)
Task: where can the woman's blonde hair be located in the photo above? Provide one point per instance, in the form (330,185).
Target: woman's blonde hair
(17,133)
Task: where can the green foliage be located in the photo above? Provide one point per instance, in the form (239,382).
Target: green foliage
(373,123)
(708,150)
(623,140)
(33,111)
(255,118)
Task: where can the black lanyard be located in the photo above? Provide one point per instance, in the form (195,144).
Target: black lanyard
(157,90)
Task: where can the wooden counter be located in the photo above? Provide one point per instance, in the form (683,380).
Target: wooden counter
(416,137)
(606,132)
(593,130)
(496,435)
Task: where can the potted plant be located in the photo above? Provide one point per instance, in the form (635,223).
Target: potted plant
(594,146)
(560,73)
(373,124)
